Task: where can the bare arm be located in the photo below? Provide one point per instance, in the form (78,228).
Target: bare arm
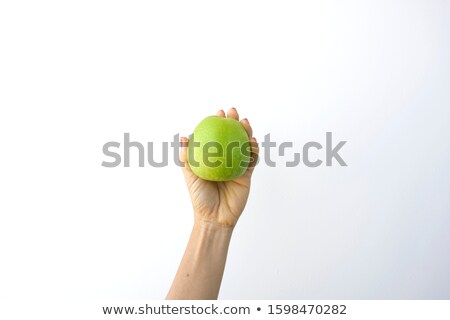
(201,269)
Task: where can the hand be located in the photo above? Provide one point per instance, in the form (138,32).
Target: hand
(220,203)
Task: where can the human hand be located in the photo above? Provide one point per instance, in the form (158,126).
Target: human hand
(222,202)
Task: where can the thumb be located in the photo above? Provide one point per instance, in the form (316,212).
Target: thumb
(184,142)
(183,150)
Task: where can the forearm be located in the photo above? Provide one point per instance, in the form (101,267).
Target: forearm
(201,269)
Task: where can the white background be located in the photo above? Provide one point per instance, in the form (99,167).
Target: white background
(75,75)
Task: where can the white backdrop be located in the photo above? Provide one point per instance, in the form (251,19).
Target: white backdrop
(76,75)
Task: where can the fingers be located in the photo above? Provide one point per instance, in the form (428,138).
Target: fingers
(254,153)
(232,113)
(247,127)
(254,149)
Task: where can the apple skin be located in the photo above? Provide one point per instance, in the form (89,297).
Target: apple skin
(215,131)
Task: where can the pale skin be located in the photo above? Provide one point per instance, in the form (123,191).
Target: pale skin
(217,208)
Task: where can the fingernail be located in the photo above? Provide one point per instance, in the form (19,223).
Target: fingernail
(183,142)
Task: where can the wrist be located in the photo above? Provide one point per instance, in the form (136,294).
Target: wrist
(212,227)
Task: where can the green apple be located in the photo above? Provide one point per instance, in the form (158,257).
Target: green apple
(219,149)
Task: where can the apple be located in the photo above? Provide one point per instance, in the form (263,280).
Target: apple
(219,149)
